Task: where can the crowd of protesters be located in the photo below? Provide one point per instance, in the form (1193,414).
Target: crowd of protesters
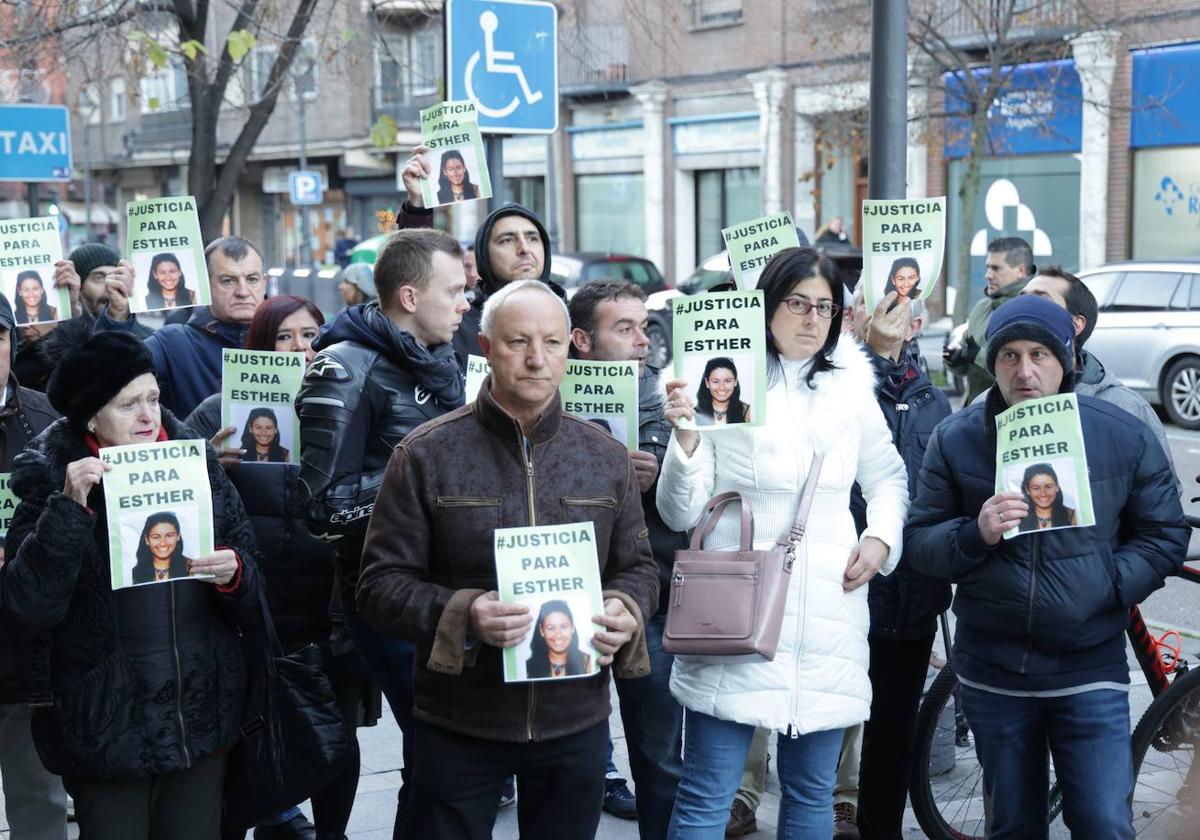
(377,547)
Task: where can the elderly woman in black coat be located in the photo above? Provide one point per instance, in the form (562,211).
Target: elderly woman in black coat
(146,683)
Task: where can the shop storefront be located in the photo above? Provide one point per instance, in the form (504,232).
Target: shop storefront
(1029,183)
(609,187)
(1165,144)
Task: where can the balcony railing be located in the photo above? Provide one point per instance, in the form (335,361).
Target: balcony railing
(967,22)
(711,13)
(593,56)
(405,110)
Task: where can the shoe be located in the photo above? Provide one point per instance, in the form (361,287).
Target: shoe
(509,794)
(741,820)
(619,799)
(845,821)
(297,828)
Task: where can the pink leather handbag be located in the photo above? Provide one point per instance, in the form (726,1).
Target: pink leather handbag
(729,604)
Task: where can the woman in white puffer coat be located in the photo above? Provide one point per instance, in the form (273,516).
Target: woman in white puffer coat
(820,397)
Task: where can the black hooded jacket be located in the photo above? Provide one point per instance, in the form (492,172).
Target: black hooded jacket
(369,386)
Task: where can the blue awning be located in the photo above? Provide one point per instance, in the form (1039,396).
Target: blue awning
(1166,96)
(1038,111)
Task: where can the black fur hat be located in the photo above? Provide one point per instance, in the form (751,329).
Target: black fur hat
(92,373)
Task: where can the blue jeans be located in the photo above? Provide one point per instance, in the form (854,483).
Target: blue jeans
(653,722)
(389,661)
(1088,735)
(714,754)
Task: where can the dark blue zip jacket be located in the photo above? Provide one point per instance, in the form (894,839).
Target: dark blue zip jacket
(1046,611)
(906,603)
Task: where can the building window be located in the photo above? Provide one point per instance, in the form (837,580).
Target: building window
(724,197)
(302,74)
(164,88)
(116,100)
(611,215)
(529,192)
(89,103)
(706,13)
(407,67)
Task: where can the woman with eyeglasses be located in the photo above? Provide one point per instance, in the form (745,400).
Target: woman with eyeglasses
(820,398)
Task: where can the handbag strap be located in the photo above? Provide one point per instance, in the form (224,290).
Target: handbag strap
(273,642)
(789,541)
(712,514)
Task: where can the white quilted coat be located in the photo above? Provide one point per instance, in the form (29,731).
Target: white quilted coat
(818,679)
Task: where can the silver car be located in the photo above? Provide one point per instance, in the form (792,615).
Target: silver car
(1148,332)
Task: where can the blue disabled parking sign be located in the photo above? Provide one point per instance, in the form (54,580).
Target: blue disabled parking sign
(35,143)
(305,187)
(503,56)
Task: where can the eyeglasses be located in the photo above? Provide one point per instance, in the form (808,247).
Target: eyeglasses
(800,306)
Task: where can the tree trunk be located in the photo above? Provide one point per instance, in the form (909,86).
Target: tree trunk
(968,192)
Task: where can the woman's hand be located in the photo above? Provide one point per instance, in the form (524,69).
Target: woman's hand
(222,565)
(866,559)
(227,457)
(82,476)
(679,407)
(620,624)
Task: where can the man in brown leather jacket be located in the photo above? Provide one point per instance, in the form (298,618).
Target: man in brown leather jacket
(511,458)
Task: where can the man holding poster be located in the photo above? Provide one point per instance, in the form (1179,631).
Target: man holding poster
(429,575)
(1040,642)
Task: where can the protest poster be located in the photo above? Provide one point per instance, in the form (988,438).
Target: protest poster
(29,248)
(903,244)
(1040,454)
(752,244)
(720,350)
(160,512)
(8,506)
(604,393)
(553,570)
(457,165)
(166,251)
(258,395)
(477,371)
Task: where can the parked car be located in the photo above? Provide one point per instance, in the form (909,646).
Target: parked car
(1148,332)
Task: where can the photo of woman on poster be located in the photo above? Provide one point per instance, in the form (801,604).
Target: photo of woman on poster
(260,438)
(166,287)
(160,550)
(454,181)
(1044,495)
(904,279)
(554,647)
(31,304)
(719,397)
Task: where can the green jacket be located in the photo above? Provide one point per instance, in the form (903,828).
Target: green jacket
(978,378)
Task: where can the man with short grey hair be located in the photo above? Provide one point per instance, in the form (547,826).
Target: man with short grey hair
(512,458)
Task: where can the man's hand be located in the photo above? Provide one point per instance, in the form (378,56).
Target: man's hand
(889,327)
(1001,513)
(620,624)
(645,468)
(221,565)
(82,476)
(119,288)
(414,172)
(499,624)
(866,559)
(228,457)
(66,275)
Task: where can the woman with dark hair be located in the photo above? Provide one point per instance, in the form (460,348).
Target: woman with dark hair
(166,286)
(160,550)
(820,399)
(147,682)
(904,279)
(32,306)
(554,649)
(454,182)
(719,397)
(1044,495)
(299,570)
(260,438)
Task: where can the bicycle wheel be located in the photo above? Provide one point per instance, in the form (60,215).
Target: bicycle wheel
(1166,797)
(947,785)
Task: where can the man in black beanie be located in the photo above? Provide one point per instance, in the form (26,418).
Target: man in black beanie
(1040,643)
(35,801)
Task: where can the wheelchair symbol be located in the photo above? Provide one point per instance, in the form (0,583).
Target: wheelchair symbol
(489,23)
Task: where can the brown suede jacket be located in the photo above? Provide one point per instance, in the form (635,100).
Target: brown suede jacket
(429,554)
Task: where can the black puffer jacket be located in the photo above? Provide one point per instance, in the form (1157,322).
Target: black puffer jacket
(369,386)
(1045,611)
(906,603)
(145,680)
(654,433)
(297,569)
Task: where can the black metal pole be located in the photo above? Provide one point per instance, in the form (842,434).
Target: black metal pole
(887,165)
(495,162)
(34,204)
